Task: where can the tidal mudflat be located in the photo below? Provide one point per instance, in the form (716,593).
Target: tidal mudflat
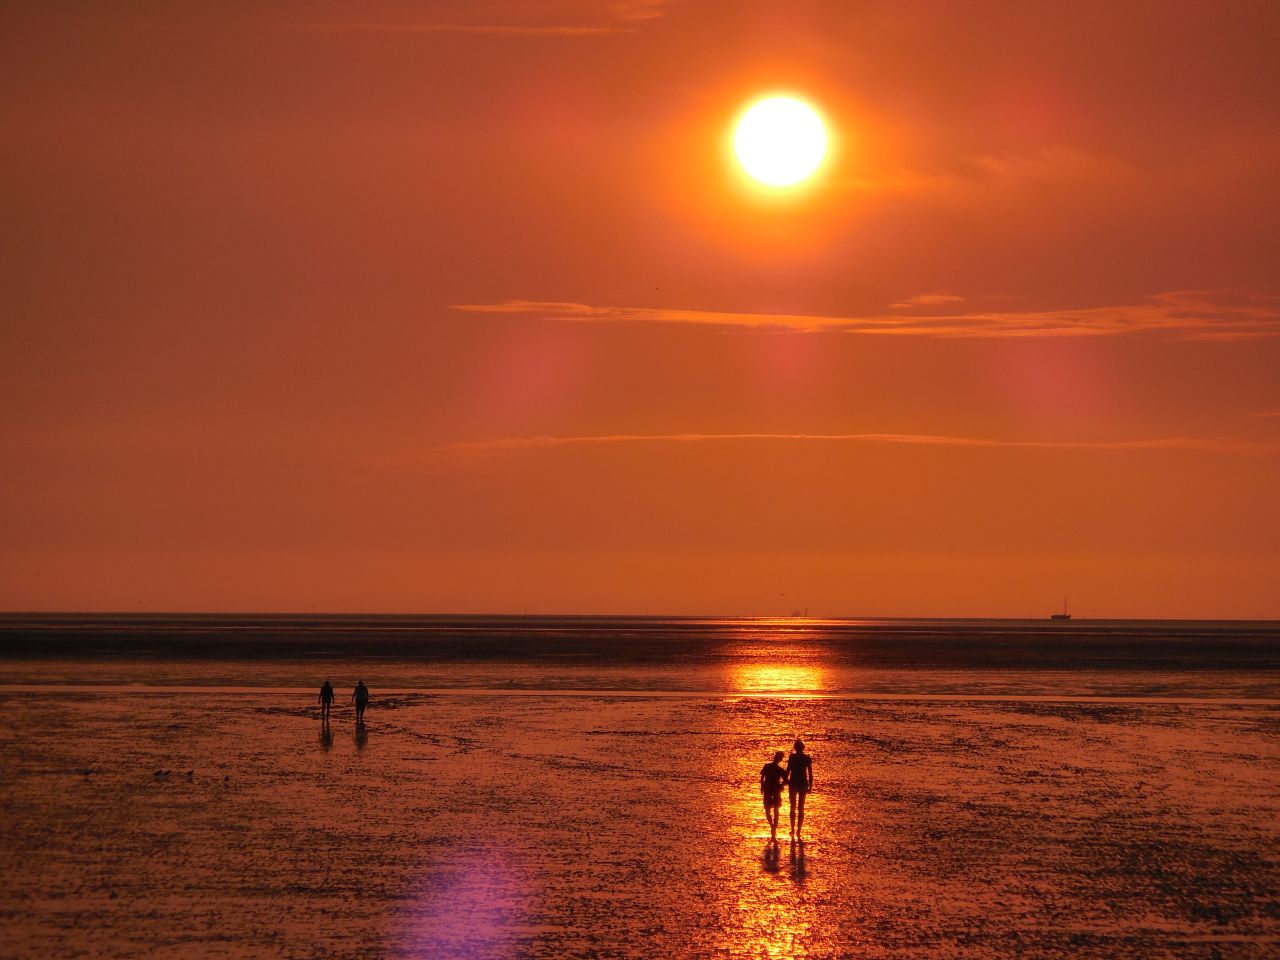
(202,822)
(578,787)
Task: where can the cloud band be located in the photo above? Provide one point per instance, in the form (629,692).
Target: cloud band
(513,445)
(1190,315)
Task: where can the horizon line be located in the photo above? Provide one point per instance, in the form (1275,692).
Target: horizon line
(610,616)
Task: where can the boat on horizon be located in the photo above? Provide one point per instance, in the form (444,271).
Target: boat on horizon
(1064,615)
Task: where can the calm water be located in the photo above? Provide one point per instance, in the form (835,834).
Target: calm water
(586,787)
(789,656)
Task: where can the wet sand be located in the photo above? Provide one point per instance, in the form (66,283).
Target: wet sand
(207,822)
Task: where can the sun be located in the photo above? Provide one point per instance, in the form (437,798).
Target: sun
(780,141)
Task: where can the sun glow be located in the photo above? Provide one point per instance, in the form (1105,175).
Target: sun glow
(782,679)
(780,141)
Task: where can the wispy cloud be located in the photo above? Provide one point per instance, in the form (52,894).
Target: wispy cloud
(1188,315)
(638,10)
(513,445)
(587,19)
(1267,413)
(927,300)
(1051,164)
(494,29)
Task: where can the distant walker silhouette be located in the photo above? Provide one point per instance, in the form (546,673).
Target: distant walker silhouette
(361,696)
(326,700)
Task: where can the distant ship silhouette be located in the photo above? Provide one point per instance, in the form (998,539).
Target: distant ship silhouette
(1064,615)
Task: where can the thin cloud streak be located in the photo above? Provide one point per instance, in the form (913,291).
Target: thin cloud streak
(927,300)
(493,29)
(514,445)
(1187,315)
(597,19)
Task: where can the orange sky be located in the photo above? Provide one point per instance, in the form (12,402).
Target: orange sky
(459,306)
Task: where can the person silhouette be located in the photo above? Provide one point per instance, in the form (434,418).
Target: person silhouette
(799,783)
(326,700)
(772,777)
(361,696)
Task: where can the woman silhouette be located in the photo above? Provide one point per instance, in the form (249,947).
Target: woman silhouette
(772,777)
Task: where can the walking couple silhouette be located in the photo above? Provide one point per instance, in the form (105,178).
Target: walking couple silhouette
(360,695)
(797,777)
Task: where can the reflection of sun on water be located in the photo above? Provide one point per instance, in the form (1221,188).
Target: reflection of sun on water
(791,680)
(775,916)
(772,910)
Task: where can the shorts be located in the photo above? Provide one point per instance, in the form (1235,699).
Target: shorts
(773,798)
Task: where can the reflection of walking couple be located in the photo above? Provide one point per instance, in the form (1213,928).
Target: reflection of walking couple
(797,776)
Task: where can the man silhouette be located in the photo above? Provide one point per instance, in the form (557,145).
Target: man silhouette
(326,700)
(361,696)
(772,777)
(799,782)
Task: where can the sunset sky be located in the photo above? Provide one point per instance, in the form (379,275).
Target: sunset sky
(463,307)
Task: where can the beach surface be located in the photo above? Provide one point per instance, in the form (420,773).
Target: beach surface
(542,808)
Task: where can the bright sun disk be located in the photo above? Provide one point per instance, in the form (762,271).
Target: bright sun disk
(780,141)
